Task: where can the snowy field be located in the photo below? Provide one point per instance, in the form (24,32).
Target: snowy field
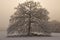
(55,36)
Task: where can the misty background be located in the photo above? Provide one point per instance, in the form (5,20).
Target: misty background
(7,9)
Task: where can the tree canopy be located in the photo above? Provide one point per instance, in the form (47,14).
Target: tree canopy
(29,17)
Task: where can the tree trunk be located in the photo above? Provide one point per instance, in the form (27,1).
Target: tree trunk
(29,24)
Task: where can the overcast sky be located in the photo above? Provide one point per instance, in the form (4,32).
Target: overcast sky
(7,9)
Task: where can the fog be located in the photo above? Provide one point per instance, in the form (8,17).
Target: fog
(7,9)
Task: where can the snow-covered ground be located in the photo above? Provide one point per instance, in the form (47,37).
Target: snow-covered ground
(55,36)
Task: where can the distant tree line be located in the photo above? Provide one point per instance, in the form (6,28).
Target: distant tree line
(54,26)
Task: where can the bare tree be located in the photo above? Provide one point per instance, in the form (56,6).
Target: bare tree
(28,15)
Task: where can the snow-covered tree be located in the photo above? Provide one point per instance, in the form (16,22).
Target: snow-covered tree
(29,17)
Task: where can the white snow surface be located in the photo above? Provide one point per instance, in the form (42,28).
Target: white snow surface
(3,36)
